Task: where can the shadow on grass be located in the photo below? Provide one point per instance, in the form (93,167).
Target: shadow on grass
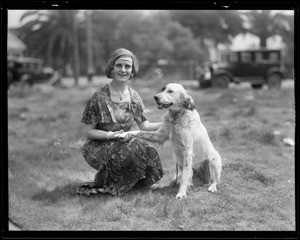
(250,172)
(141,190)
(167,189)
(65,192)
(68,192)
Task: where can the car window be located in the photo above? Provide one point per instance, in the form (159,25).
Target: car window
(232,58)
(246,57)
(266,57)
(274,57)
(260,58)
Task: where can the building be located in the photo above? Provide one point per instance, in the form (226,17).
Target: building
(15,47)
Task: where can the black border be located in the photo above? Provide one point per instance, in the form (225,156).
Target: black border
(151,5)
(154,4)
(150,235)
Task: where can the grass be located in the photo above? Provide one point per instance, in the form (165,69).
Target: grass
(257,190)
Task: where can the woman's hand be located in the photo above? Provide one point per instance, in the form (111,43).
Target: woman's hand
(126,136)
(113,135)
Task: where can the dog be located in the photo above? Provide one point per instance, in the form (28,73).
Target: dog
(182,125)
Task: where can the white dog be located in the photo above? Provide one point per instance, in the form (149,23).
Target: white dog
(182,125)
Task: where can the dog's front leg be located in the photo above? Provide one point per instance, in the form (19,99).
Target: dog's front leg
(159,136)
(179,165)
(186,175)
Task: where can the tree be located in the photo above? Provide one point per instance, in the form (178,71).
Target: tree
(150,37)
(55,37)
(114,29)
(76,62)
(220,26)
(286,31)
(263,24)
(104,31)
(185,47)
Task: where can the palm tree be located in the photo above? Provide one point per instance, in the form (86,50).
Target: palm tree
(263,24)
(286,31)
(75,47)
(53,35)
(217,25)
(90,64)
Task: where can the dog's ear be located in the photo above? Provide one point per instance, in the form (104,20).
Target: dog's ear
(188,102)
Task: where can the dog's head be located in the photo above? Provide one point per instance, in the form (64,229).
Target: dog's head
(174,96)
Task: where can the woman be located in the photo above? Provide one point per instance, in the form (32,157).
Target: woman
(121,163)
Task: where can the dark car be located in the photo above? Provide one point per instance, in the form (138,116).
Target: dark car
(258,67)
(28,70)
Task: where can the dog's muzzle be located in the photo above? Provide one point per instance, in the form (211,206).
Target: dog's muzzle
(161,105)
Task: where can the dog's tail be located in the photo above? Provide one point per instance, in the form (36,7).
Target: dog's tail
(203,172)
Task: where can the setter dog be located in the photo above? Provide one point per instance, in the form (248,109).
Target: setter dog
(182,125)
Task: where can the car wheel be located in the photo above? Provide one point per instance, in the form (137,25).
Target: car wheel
(221,81)
(204,84)
(256,86)
(274,81)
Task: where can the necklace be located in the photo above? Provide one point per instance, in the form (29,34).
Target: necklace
(120,95)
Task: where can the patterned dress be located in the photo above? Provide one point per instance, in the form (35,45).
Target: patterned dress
(120,165)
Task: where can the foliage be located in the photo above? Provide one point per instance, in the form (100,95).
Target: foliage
(53,35)
(52,32)
(217,25)
(286,31)
(150,38)
(173,35)
(185,47)
(264,24)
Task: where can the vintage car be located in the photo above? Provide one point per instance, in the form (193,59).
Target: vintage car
(258,67)
(28,71)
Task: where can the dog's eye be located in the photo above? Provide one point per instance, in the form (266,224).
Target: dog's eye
(163,89)
(170,91)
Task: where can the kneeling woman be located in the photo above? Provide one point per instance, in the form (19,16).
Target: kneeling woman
(121,163)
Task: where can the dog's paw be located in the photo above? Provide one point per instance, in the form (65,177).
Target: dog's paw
(212,188)
(180,195)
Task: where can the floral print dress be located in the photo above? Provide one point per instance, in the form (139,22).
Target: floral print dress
(120,165)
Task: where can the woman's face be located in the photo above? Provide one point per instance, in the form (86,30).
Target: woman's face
(122,69)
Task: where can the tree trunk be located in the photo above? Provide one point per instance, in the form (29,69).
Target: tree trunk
(204,48)
(49,54)
(90,69)
(263,41)
(76,65)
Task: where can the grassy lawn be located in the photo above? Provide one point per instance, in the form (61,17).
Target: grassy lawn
(257,190)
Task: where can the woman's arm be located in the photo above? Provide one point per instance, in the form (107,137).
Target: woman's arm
(147,126)
(153,132)
(92,133)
